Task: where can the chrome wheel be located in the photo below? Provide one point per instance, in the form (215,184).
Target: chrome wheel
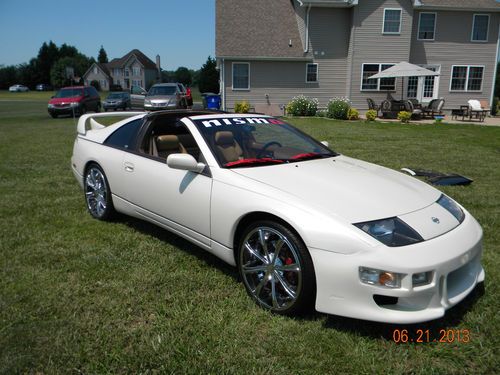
(97,193)
(271,268)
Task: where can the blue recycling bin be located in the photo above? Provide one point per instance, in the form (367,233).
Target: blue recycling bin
(213,101)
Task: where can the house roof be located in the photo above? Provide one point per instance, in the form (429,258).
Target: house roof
(243,29)
(475,5)
(142,58)
(102,67)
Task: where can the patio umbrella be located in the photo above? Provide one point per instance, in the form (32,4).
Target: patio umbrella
(404,69)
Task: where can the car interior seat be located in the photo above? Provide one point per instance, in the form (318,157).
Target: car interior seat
(227,147)
(169,144)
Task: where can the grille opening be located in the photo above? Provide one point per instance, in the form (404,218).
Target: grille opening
(384,300)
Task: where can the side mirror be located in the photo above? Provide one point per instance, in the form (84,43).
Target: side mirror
(184,162)
(325,143)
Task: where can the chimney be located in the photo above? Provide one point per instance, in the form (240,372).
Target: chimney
(158,68)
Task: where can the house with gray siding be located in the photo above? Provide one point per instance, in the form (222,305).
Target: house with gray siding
(133,69)
(270,51)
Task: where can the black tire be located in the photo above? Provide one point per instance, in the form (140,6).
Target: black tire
(54,115)
(97,193)
(98,108)
(83,110)
(284,284)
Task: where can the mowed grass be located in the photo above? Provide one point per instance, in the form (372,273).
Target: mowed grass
(82,296)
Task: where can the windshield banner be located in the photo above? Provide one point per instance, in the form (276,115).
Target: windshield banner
(240,121)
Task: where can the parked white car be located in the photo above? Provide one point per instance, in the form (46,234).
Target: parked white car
(18,88)
(304,225)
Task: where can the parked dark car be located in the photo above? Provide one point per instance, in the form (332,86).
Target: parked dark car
(43,87)
(74,101)
(117,100)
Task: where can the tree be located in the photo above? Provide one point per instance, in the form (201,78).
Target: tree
(208,80)
(58,77)
(8,76)
(47,56)
(183,75)
(102,58)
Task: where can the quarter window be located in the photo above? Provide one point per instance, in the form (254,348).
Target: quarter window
(312,73)
(241,76)
(426,26)
(392,21)
(125,135)
(466,78)
(480,26)
(381,84)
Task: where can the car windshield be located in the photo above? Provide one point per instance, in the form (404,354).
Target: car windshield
(69,93)
(116,95)
(257,141)
(161,90)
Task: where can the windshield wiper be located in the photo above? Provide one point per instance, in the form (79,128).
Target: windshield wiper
(252,161)
(309,156)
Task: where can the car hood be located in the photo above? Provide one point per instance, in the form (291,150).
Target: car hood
(353,189)
(65,100)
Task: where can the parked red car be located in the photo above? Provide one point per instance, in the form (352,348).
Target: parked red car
(74,100)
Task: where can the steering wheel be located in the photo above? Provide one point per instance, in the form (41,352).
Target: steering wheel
(262,152)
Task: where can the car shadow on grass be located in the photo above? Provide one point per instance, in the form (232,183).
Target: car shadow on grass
(425,332)
(179,243)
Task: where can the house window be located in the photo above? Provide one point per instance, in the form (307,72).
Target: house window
(241,76)
(127,72)
(95,70)
(426,26)
(381,84)
(311,72)
(480,27)
(137,82)
(136,71)
(392,21)
(117,72)
(423,88)
(466,78)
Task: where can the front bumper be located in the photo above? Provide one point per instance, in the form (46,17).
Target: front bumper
(454,259)
(66,110)
(159,107)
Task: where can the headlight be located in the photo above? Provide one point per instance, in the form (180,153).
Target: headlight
(373,276)
(450,205)
(391,232)
(147,101)
(51,106)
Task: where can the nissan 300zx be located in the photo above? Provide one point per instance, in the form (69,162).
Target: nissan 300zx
(305,226)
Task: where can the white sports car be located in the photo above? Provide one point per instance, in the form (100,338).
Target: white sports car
(304,225)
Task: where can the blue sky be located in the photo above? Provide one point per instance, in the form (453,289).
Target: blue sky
(182,32)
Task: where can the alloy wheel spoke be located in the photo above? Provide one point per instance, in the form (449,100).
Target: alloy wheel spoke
(259,287)
(277,248)
(263,243)
(254,269)
(273,292)
(288,267)
(255,253)
(285,285)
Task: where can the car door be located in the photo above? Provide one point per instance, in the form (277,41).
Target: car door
(176,199)
(137,95)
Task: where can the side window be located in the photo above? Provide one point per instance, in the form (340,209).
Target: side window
(125,135)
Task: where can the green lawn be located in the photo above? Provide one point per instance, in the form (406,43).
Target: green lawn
(82,296)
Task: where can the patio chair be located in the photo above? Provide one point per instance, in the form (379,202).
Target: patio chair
(372,105)
(434,108)
(416,113)
(475,110)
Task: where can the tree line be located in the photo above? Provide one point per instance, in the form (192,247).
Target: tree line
(52,62)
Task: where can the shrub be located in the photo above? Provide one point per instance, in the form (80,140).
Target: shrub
(353,114)
(371,115)
(404,117)
(241,107)
(302,106)
(494,107)
(338,108)
(321,114)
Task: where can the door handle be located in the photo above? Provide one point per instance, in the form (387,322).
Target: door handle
(129,167)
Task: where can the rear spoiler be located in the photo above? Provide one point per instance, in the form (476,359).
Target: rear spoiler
(87,122)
